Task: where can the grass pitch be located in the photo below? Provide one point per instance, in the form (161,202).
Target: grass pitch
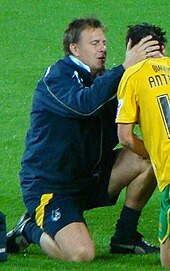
(31,39)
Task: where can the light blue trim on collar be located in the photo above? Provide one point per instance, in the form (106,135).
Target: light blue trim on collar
(79,63)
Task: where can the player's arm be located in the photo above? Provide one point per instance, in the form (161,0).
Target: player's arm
(129,139)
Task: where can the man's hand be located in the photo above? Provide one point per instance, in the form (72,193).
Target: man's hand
(144,49)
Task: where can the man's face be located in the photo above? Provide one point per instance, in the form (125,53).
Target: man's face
(91,49)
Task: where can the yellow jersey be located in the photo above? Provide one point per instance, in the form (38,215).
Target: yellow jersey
(144,98)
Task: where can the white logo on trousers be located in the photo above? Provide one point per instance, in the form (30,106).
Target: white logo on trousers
(55,215)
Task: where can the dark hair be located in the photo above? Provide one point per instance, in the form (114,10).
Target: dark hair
(73,32)
(139,31)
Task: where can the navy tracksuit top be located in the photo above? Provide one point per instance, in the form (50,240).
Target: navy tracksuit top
(72,128)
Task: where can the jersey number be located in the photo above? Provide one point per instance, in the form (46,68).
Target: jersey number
(164,105)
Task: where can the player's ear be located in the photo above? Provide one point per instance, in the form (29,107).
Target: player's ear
(129,45)
(74,49)
(163,50)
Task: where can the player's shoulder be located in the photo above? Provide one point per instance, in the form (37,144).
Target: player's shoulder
(133,70)
(137,67)
(140,66)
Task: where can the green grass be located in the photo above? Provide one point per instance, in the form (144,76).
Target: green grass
(31,39)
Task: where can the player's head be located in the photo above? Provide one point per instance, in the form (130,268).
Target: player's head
(136,32)
(73,32)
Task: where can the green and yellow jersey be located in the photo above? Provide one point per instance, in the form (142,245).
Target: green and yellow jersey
(144,98)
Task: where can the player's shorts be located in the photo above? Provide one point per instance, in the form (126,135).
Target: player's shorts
(52,212)
(164,220)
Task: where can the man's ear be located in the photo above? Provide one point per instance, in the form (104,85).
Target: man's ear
(74,49)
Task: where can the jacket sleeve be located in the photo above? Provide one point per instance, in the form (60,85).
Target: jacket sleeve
(67,96)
